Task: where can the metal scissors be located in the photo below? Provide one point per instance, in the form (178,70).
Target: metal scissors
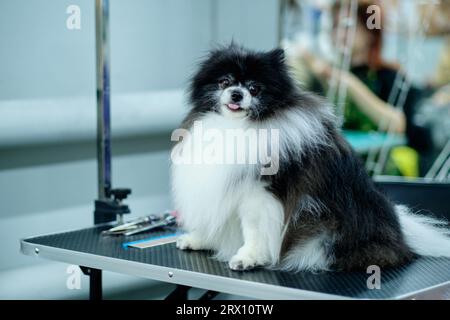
(142,224)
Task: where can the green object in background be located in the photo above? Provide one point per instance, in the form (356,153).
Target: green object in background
(363,141)
(407,161)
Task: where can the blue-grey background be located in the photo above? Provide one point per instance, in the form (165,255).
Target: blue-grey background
(47,84)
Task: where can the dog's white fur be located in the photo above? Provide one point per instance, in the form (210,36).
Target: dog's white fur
(424,234)
(309,256)
(241,221)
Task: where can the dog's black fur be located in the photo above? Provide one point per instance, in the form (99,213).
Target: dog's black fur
(362,221)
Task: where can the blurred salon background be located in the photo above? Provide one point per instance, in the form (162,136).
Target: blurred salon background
(385,65)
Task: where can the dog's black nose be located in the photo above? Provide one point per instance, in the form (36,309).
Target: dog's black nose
(236,96)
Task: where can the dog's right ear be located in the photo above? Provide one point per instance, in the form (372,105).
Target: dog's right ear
(277,55)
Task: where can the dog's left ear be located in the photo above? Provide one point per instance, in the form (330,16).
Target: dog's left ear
(277,55)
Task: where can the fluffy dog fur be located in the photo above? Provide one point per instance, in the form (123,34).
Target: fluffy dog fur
(320,211)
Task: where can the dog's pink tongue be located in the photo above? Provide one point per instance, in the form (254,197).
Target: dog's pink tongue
(233,106)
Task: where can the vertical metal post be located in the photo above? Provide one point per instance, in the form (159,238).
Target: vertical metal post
(103,125)
(103,99)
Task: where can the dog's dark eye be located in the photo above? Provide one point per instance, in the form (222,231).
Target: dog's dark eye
(223,83)
(254,89)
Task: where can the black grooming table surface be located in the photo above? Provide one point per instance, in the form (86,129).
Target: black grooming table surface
(424,278)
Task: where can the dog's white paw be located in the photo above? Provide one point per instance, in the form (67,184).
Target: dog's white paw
(188,242)
(240,262)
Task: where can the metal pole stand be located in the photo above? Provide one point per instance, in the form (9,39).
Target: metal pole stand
(106,208)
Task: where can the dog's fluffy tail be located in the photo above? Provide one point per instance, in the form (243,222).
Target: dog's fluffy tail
(424,235)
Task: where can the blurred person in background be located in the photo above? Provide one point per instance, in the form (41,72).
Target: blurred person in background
(439,26)
(369,80)
(433,113)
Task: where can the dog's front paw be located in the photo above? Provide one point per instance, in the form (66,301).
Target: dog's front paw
(188,242)
(240,262)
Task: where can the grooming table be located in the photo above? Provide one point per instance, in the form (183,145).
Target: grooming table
(425,278)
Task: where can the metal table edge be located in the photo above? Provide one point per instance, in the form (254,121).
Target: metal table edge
(425,293)
(194,279)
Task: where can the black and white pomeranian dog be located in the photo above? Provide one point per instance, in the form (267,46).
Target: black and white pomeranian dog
(314,209)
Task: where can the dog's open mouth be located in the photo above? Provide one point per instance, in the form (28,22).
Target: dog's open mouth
(234,107)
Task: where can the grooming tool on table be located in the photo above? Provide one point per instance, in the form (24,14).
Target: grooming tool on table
(143,224)
(169,220)
(153,241)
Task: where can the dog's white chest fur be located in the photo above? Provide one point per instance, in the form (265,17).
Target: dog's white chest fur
(225,207)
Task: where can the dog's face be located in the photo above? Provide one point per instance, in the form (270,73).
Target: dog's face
(238,83)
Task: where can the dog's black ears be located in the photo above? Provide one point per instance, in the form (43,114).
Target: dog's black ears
(277,55)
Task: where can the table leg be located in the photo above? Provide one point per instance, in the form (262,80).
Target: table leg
(95,282)
(180,293)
